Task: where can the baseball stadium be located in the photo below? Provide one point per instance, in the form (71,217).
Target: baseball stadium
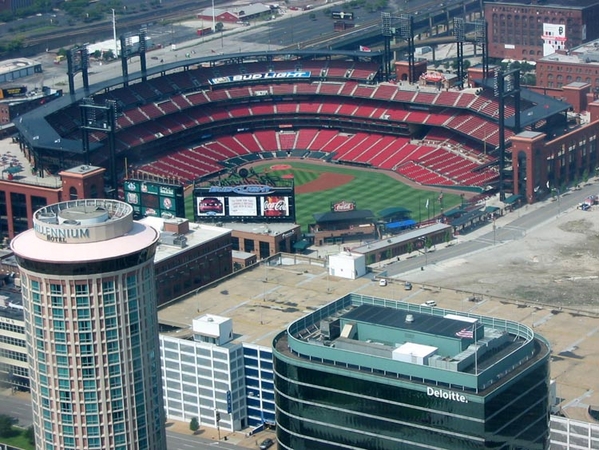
(205,118)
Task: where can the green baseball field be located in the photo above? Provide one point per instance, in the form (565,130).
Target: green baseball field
(317,186)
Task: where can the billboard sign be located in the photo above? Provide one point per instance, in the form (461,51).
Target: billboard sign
(343,206)
(154,199)
(247,202)
(554,38)
(267,76)
(342,15)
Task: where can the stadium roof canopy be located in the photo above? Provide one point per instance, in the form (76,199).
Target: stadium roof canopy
(401,224)
(468,217)
(393,211)
(544,106)
(342,216)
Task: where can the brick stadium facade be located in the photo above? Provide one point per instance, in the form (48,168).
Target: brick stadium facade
(212,119)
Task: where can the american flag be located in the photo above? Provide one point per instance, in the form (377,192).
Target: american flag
(465,333)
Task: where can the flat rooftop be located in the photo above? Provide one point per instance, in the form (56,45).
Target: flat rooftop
(198,234)
(264,300)
(12,156)
(587,53)
(263,228)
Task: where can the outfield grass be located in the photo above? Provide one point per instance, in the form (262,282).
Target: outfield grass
(369,189)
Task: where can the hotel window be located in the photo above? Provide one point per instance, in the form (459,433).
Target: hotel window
(91,407)
(55,289)
(66,407)
(109,299)
(107,286)
(63,363)
(61,349)
(86,349)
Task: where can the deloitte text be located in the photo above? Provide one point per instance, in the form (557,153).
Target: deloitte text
(448,395)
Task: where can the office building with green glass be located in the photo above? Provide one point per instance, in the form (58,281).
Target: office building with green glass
(377,374)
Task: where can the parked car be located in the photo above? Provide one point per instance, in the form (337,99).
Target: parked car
(430,303)
(382,282)
(407,286)
(266,443)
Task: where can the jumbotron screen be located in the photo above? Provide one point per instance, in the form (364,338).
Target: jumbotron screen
(154,199)
(247,202)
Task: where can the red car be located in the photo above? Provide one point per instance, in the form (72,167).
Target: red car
(210,205)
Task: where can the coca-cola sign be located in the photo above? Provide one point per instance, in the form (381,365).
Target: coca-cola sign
(275,206)
(343,206)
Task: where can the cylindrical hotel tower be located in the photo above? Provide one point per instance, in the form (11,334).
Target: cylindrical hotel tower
(89,297)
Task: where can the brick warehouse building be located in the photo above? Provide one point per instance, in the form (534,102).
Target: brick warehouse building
(579,65)
(522,31)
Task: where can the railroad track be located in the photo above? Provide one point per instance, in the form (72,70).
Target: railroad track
(98,30)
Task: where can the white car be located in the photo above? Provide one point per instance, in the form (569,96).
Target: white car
(429,303)
(382,282)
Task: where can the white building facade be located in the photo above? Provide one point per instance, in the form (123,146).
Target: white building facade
(89,301)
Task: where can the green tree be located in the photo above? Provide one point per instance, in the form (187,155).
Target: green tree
(428,243)
(194,424)
(30,434)
(448,237)
(6,429)
(108,55)
(219,27)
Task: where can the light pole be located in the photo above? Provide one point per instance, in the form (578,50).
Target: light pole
(423,239)
(116,48)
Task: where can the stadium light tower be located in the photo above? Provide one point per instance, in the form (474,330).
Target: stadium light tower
(213,18)
(405,31)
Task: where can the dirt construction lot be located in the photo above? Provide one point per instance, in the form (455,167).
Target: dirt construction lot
(548,279)
(557,264)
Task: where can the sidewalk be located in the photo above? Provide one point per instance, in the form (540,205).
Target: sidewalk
(237,438)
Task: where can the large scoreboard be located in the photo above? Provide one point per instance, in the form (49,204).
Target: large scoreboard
(154,199)
(245,202)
